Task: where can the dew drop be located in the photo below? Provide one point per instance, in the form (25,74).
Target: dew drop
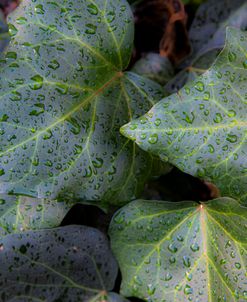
(92,9)
(153,139)
(199,86)
(232,138)
(90,29)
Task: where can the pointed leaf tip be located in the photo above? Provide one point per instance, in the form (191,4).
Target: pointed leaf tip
(128,131)
(201,129)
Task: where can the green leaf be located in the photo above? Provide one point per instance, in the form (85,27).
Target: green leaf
(209,18)
(63,99)
(20,213)
(4,32)
(202,128)
(73,263)
(154,67)
(182,251)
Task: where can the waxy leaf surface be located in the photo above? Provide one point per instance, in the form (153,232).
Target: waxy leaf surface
(63,99)
(202,129)
(70,264)
(183,251)
(20,213)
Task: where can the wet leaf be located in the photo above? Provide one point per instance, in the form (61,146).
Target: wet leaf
(182,251)
(210,16)
(155,67)
(63,99)
(20,213)
(202,128)
(72,263)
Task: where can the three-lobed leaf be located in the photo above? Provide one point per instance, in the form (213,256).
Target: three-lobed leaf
(72,263)
(202,128)
(63,99)
(182,251)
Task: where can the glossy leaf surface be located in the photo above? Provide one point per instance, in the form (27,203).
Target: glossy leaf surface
(70,264)
(20,213)
(64,98)
(182,251)
(202,128)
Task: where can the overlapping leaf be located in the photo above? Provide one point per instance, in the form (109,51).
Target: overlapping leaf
(64,97)
(182,251)
(210,19)
(20,213)
(202,128)
(73,264)
(155,67)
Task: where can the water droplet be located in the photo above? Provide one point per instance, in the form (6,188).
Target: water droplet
(199,86)
(110,17)
(90,29)
(180,238)
(232,56)
(38,82)
(153,138)
(186,261)
(54,64)
(12,30)
(172,248)
(211,148)
(206,96)
(151,289)
(21,20)
(245,64)
(157,122)
(218,118)
(168,276)
(172,260)
(194,247)
(188,276)
(188,290)
(189,118)
(232,138)
(92,9)
(231,113)
(39,9)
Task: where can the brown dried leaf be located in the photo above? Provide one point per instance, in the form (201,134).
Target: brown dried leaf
(175,42)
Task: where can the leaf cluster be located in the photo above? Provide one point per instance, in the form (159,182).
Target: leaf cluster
(88,122)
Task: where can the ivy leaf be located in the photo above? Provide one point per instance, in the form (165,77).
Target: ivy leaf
(154,67)
(209,18)
(4,32)
(63,99)
(72,263)
(182,251)
(202,128)
(20,213)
